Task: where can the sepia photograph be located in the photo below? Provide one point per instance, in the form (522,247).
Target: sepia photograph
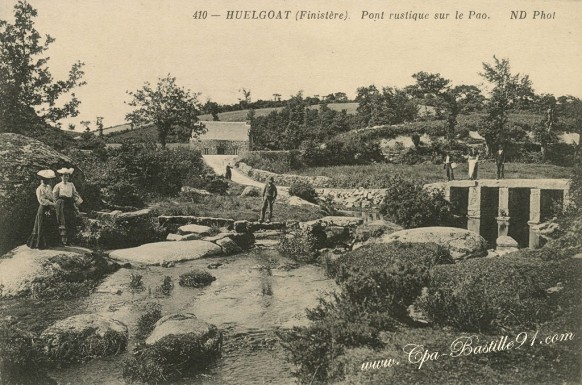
(290,192)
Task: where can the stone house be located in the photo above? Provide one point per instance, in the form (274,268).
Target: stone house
(222,138)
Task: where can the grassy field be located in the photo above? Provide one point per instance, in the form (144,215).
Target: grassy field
(241,116)
(376,175)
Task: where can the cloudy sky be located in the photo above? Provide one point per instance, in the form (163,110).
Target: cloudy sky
(124,43)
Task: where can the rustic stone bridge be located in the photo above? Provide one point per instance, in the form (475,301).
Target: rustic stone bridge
(511,207)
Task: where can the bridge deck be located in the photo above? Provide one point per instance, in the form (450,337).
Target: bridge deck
(544,184)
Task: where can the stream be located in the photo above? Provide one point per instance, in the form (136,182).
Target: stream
(255,294)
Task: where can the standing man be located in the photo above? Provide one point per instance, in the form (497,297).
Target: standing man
(228,173)
(269,196)
(500,162)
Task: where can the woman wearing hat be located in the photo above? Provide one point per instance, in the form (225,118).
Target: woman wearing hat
(66,198)
(44,231)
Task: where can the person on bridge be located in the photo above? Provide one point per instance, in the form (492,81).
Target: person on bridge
(269,196)
(500,163)
(473,163)
(448,166)
(228,173)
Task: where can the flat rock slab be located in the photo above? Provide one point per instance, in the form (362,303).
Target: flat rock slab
(461,243)
(194,229)
(170,251)
(296,201)
(178,237)
(23,265)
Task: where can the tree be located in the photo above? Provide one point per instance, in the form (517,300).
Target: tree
(545,131)
(246,98)
(29,96)
(86,124)
(391,106)
(448,101)
(509,92)
(168,106)
(213,109)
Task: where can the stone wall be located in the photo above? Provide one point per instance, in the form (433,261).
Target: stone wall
(353,198)
(282,179)
(210,146)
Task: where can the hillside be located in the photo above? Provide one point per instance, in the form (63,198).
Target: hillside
(241,116)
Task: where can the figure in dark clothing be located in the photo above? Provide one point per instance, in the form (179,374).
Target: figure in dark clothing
(500,163)
(228,173)
(269,196)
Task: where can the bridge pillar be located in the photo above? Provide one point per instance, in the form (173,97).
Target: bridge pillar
(535,209)
(474,209)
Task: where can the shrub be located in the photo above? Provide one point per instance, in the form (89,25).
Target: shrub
(122,193)
(387,278)
(491,294)
(303,244)
(71,347)
(136,283)
(21,358)
(147,321)
(166,287)
(304,191)
(410,205)
(196,278)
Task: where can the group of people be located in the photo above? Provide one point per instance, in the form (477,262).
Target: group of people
(473,165)
(58,208)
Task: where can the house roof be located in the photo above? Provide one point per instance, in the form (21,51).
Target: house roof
(238,131)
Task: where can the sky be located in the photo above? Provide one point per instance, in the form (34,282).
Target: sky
(125,43)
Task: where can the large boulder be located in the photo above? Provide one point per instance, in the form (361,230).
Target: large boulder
(21,158)
(25,271)
(374,229)
(461,243)
(117,229)
(169,251)
(82,337)
(195,337)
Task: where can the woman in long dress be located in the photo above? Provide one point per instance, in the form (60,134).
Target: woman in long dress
(44,231)
(473,161)
(66,197)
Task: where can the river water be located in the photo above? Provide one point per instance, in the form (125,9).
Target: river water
(255,294)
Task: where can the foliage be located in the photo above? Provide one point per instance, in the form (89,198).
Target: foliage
(29,96)
(122,193)
(303,245)
(166,287)
(168,359)
(509,92)
(279,162)
(168,106)
(72,347)
(304,191)
(391,106)
(147,321)
(388,277)
(492,294)
(410,205)
(135,282)
(196,278)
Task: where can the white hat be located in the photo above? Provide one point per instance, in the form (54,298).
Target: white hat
(47,174)
(66,171)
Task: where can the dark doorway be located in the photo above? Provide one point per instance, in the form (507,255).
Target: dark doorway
(220,151)
(519,215)
(489,209)
(460,201)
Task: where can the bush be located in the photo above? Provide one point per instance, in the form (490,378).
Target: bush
(387,278)
(147,321)
(304,191)
(492,294)
(303,245)
(122,193)
(410,205)
(196,278)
